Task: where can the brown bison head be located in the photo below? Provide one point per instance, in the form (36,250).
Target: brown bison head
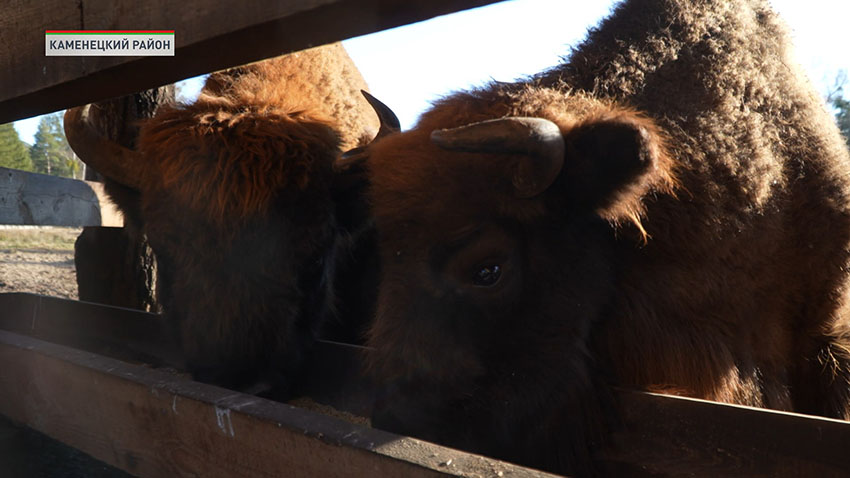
(237,202)
(496,218)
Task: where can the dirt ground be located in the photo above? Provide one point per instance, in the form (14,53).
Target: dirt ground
(38,260)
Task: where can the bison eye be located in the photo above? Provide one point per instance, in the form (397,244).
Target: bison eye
(488,275)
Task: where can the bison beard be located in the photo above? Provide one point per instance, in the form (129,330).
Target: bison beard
(693,240)
(246,211)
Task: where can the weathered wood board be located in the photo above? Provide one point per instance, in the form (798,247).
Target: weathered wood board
(155,423)
(677,436)
(126,334)
(26,453)
(209,35)
(42,200)
(152,423)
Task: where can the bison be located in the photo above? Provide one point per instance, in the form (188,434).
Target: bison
(667,210)
(245,208)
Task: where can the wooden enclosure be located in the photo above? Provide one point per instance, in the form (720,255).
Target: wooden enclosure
(104,380)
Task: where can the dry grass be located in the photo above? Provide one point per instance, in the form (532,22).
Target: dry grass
(46,238)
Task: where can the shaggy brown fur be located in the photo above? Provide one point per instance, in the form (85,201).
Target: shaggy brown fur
(235,143)
(240,203)
(716,267)
(286,107)
(761,231)
(321,82)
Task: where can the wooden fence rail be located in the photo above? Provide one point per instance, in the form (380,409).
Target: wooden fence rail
(42,200)
(158,423)
(209,35)
(154,422)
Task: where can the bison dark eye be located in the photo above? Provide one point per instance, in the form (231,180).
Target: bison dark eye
(487,275)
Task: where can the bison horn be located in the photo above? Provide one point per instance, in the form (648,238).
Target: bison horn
(107,157)
(389,121)
(389,125)
(538,139)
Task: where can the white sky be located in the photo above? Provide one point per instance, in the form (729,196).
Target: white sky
(410,66)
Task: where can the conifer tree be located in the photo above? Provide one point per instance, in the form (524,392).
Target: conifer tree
(13,151)
(842,116)
(841,105)
(51,153)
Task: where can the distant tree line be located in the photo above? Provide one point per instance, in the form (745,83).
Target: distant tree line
(14,153)
(841,105)
(49,154)
(842,116)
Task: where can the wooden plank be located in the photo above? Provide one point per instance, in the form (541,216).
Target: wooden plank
(126,334)
(209,35)
(42,200)
(27,453)
(152,423)
(23,66)
(660,434)
(332,370)
(678,436)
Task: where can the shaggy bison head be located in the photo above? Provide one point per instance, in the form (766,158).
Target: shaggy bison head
(496,218)
(237,203)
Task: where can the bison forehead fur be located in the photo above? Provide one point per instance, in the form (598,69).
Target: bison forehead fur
(695,241)
(240,158)
(256,130)
(319,82)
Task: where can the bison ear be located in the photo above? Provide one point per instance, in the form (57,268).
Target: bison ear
(612,159)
